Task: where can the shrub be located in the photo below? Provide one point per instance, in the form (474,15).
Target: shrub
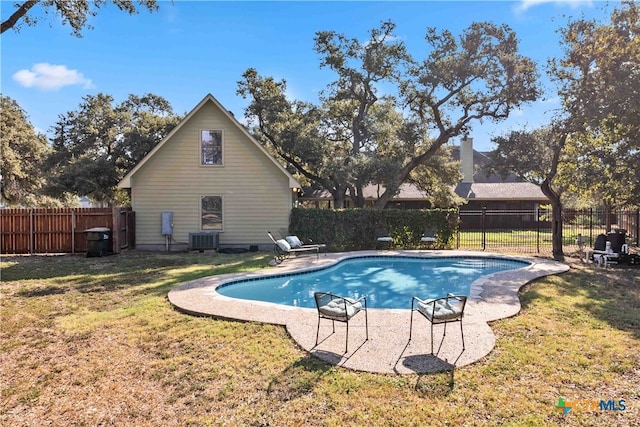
(354,229)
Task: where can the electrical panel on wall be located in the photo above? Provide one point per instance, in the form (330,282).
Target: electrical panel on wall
(167,223)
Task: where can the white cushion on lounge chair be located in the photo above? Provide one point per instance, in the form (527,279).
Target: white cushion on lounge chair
(294,241)
(284,245)
(335,309)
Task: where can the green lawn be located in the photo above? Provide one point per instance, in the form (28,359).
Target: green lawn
(519,240)
(94,341)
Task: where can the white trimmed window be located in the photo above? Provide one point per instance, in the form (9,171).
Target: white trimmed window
(211,213)
(211,147)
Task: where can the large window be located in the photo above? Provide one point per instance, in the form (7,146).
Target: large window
(211,212)
(211,143)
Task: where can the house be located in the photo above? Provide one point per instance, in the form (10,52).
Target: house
(209,177)
(492,191)
(476,187)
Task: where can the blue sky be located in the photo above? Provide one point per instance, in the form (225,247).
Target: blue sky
(189,49)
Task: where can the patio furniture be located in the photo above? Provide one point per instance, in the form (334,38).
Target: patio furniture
(296,243)
(428,237)
(383,239)
(340,309)
(283,250)
(445,310)
(609,249)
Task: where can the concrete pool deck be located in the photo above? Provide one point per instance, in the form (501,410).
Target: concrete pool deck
(388,349)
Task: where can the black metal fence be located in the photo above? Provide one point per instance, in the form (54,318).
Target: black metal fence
(529,231)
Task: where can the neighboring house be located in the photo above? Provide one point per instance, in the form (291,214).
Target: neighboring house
(85,202)
(209,175)
(492,191)
(479,190)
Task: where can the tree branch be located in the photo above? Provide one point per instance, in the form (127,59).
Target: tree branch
(289,159)
(17,15)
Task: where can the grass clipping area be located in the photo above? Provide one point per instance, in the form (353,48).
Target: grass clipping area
(94,341)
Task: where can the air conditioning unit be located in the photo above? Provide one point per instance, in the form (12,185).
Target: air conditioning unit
(203,241)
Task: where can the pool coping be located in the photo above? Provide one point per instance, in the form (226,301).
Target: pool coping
(388,349)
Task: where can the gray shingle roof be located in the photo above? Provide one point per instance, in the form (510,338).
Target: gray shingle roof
(469,191)
(484,187)
(500,191)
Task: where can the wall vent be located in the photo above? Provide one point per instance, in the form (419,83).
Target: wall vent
(203,241)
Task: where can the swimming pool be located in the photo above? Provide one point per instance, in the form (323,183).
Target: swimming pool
(386,281)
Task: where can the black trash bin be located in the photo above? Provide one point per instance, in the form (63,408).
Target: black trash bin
(98,241)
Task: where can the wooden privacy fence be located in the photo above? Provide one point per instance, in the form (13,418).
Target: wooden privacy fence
(61,230)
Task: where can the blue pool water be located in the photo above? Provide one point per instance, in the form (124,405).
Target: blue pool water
(386,281)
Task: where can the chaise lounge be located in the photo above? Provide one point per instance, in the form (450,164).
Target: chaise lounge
(283,250)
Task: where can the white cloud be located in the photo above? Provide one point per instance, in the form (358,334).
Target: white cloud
(574,4)
(51,77)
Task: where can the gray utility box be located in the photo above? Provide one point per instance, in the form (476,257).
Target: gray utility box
(98,241)
(167,223)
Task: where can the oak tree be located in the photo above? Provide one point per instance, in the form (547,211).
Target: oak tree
(74,13)
(96,145)
(22,153)
(387,117)
(538,156)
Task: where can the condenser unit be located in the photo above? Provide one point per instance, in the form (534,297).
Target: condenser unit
(203,241)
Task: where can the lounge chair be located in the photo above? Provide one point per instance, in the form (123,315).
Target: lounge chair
(340,309)
(283,250)
(429,237)
(440,310)
(383,239)
(609,249)
(296,243)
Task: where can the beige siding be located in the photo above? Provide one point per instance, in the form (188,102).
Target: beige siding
(256,194)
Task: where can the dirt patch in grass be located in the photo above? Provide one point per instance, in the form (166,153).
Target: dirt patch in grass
(95,342)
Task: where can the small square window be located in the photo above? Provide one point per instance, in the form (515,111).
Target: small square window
(211,213)
(211,144)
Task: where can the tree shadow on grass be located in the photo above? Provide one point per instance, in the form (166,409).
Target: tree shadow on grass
(298,379)
(437,385)
(612,294)
(148,273)
(43,292)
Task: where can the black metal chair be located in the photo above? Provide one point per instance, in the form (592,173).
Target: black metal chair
(383,239)
(428,239)
(340,309)
(445,310)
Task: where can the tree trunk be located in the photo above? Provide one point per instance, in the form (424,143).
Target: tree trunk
(358,199)
(403,173)
(556,220)
(382,201)
(339,197)
(554,197)
(607,215)
(556,239)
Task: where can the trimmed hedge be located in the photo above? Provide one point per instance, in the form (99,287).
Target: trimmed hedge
(354,229)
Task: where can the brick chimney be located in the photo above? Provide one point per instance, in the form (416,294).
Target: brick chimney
(466,159)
